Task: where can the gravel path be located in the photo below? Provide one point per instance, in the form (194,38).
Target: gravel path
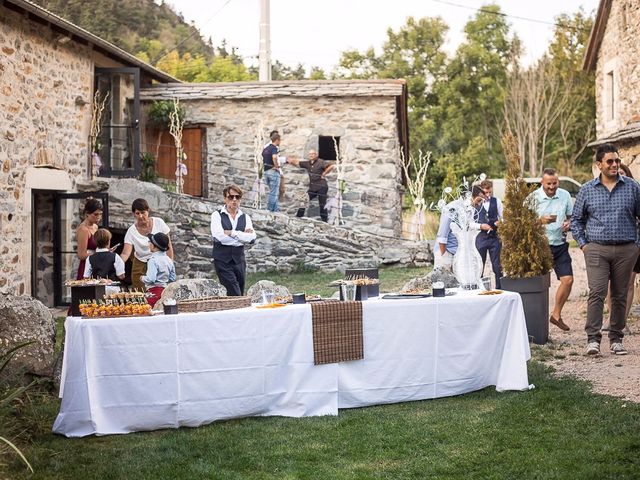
(617,375)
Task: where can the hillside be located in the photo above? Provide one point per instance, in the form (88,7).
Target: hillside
(134,25)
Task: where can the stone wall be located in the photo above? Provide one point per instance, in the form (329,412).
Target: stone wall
(284,243)
(41,125)
(363,115)
(620,52)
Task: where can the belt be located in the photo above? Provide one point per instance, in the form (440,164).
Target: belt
(626,242)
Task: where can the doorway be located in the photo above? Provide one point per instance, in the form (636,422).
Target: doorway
(55,218)
(42,257)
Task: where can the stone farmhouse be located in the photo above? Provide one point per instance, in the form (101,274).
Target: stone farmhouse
(54,74)
(362,122)
(49,71)
(613,53)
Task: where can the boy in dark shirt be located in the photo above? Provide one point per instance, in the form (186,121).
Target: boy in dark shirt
(104,263)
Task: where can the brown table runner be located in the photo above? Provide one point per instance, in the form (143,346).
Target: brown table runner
(337,332)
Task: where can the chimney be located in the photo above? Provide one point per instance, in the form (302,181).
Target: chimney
(264,73)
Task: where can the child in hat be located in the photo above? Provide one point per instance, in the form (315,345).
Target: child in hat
(160,268)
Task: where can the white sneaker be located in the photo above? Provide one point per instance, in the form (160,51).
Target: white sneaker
(593,348)
(618,349)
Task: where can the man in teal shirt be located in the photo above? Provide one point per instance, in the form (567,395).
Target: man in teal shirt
(553,205)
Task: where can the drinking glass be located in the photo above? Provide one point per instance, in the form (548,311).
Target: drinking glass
(348,291)
(267,297)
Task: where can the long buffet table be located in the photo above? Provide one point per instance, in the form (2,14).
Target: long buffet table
(122,375)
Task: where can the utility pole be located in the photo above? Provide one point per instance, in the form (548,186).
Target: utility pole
(264,73)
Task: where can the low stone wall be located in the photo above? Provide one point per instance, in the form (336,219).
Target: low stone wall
(284,243)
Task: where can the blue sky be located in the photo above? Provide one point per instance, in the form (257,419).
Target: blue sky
(314,33)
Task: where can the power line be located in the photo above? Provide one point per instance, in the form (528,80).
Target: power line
(501,14)
(196,31)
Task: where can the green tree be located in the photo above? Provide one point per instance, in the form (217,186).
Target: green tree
(550,105)
(416,53)
(223,69)
(471,96)
(576,124)
(317,73)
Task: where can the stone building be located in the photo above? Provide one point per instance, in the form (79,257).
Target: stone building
(49,72)
(52,76)
(613,53)
(229,124)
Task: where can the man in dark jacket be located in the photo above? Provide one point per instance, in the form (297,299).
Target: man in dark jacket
(231,230)
(318,187)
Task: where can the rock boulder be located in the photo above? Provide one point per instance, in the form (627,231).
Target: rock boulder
(22,319)
(255,290)
(191,288)
(425,282)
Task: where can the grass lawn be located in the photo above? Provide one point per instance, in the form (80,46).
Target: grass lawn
(559,430)
(391,279)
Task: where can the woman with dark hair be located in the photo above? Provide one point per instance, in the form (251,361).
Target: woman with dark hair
(136,239)
(92,214)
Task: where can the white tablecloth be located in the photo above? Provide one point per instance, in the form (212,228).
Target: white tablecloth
(132,374)
(437,347)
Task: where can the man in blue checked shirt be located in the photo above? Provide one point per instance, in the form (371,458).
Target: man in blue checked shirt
(604,224)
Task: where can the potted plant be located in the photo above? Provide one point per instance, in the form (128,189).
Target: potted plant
(526,257)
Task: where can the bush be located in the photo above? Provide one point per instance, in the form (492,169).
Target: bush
(525,248)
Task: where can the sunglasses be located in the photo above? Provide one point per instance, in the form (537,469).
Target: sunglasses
(611,161)
(234,197)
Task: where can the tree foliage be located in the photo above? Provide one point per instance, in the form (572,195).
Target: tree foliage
(454,103)
(550,105)
(416,53)
(471,95)
(525,248)
(132,24)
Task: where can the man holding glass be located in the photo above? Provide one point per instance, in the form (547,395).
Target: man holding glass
(604,223)
(553,205)
(231,230)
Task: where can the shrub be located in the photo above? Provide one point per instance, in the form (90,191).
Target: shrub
(525,248)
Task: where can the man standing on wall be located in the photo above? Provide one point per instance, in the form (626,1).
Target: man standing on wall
(272,171)
(553,206)
(318,187)
(231,230)
(604,223)
(487,241)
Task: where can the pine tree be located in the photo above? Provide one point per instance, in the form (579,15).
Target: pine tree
(525,248)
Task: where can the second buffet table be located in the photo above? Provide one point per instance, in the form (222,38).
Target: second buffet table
(122,375)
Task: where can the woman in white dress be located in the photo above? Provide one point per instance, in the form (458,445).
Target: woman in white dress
(136,240)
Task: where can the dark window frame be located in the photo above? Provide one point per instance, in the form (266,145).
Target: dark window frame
(57,236)
(133,128)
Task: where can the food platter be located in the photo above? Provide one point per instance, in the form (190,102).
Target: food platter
(90,282)
(400,296)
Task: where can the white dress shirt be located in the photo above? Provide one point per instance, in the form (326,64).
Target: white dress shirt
(237,238)
(118,263)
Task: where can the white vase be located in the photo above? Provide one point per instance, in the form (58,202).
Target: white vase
(467,263)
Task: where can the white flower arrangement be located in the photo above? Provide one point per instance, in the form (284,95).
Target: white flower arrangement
(457,204)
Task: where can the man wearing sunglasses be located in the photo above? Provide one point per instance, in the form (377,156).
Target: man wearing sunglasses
(231,230)
(604,224)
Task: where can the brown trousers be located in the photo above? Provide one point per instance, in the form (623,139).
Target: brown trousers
(138,269)
(608,263)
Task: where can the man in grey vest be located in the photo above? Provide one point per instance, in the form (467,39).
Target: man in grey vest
(231,230)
